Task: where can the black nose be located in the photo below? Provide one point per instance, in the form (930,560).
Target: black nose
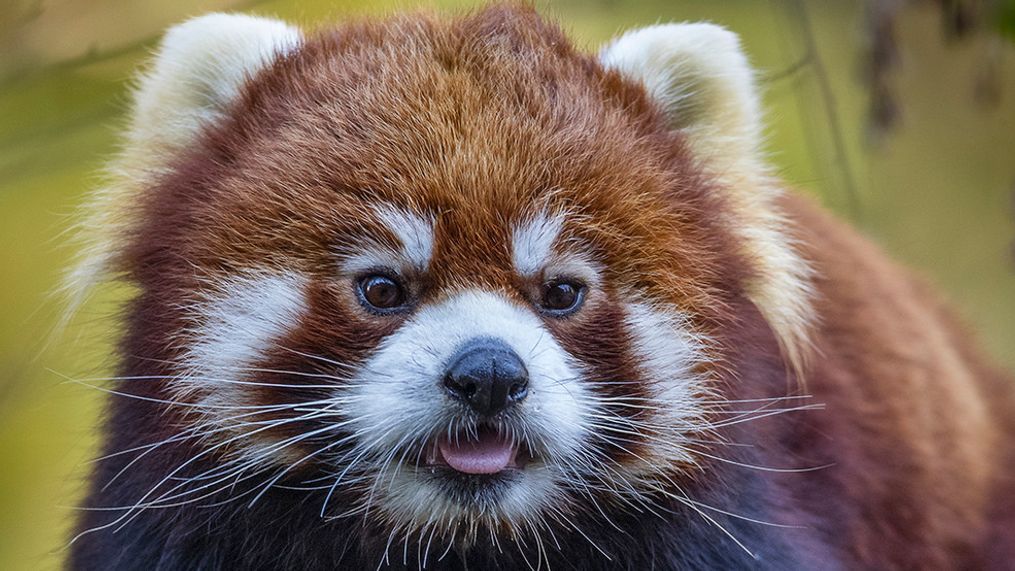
(488,375)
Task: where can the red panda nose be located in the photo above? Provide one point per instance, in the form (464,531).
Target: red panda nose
(487,375)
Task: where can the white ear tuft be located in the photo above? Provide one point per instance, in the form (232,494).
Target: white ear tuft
(200,68)
(700,77)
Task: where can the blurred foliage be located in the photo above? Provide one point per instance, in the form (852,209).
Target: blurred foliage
(936,192)
(959,20)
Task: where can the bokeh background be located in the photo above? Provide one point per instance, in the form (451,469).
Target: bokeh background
(898,115)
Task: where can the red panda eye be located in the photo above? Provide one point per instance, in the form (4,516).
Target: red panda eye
(381,292)
(562,297)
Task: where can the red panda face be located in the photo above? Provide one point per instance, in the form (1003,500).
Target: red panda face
(457,274)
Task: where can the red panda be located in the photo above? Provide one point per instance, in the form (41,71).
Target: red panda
(451,294)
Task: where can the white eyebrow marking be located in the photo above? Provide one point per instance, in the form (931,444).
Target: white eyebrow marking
(532,242)
(415,232)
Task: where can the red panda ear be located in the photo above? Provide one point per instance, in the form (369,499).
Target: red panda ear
(700,77)
(199,69)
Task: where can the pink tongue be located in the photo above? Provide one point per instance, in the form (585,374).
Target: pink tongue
(489,455)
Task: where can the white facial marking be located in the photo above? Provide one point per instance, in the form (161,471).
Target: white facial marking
(532,242)
(236,322)
(399,398)
(415,233)
(667,352)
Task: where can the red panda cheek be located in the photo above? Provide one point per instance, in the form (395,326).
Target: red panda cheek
(337,329)
(596,336)
(644,363)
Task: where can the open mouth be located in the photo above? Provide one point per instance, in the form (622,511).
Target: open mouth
(487,452)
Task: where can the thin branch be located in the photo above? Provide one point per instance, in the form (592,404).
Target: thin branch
(788,71)
(830,107)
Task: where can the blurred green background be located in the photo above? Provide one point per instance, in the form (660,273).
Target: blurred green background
(936,191)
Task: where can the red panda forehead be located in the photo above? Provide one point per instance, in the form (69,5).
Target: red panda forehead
(496,104)
(482,128)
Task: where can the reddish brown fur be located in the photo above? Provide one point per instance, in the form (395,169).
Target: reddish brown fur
(483,121)
(921,423)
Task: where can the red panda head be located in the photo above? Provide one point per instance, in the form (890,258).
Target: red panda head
(454,273)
